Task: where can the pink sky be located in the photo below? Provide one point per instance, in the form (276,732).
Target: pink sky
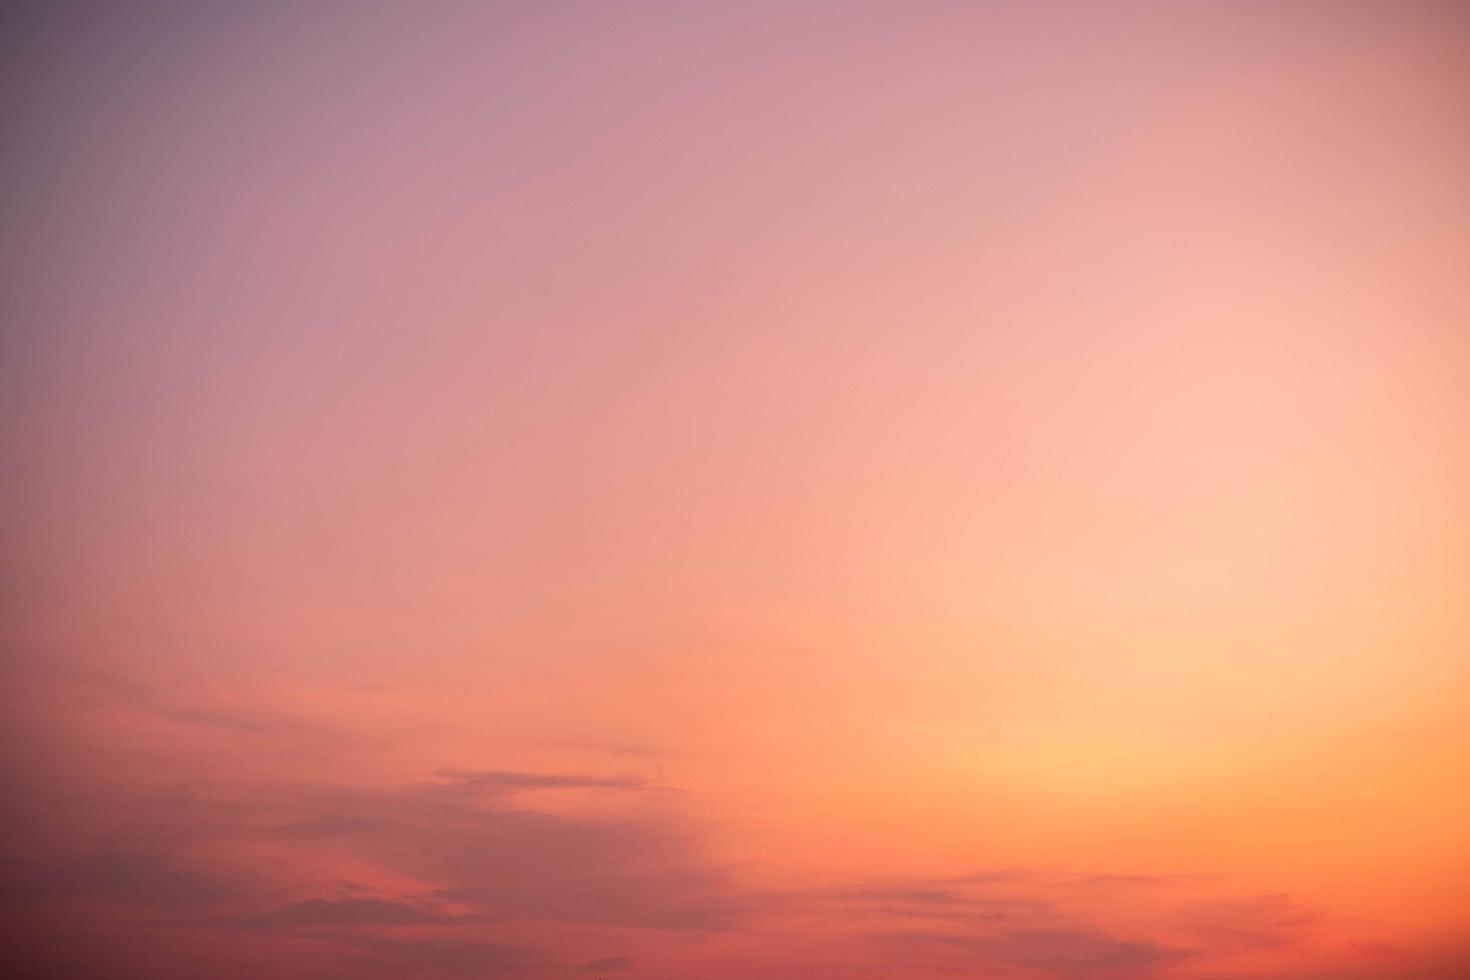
(808,490)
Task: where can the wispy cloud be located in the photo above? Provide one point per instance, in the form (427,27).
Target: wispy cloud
(1053,952)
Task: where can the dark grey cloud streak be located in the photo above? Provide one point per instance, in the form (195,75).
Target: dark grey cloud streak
(486,863)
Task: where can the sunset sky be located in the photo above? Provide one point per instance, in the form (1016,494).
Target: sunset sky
(735,490)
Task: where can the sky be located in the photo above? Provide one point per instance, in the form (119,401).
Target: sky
(657,491)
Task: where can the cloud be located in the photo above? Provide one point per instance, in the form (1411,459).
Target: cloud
(463,875)
(242,721)
(393,957)
(919,899)
(353,912)
(1056,952)
(612,964)
(1259,923)
(442,957)
(1064,879)
(1036,896)
(477,863)
(1367,960)
(642,869)
(141,879)
(495,779)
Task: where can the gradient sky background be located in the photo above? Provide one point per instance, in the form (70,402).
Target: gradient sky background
(723,490)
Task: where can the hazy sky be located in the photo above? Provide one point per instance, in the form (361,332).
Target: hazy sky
(713,490)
